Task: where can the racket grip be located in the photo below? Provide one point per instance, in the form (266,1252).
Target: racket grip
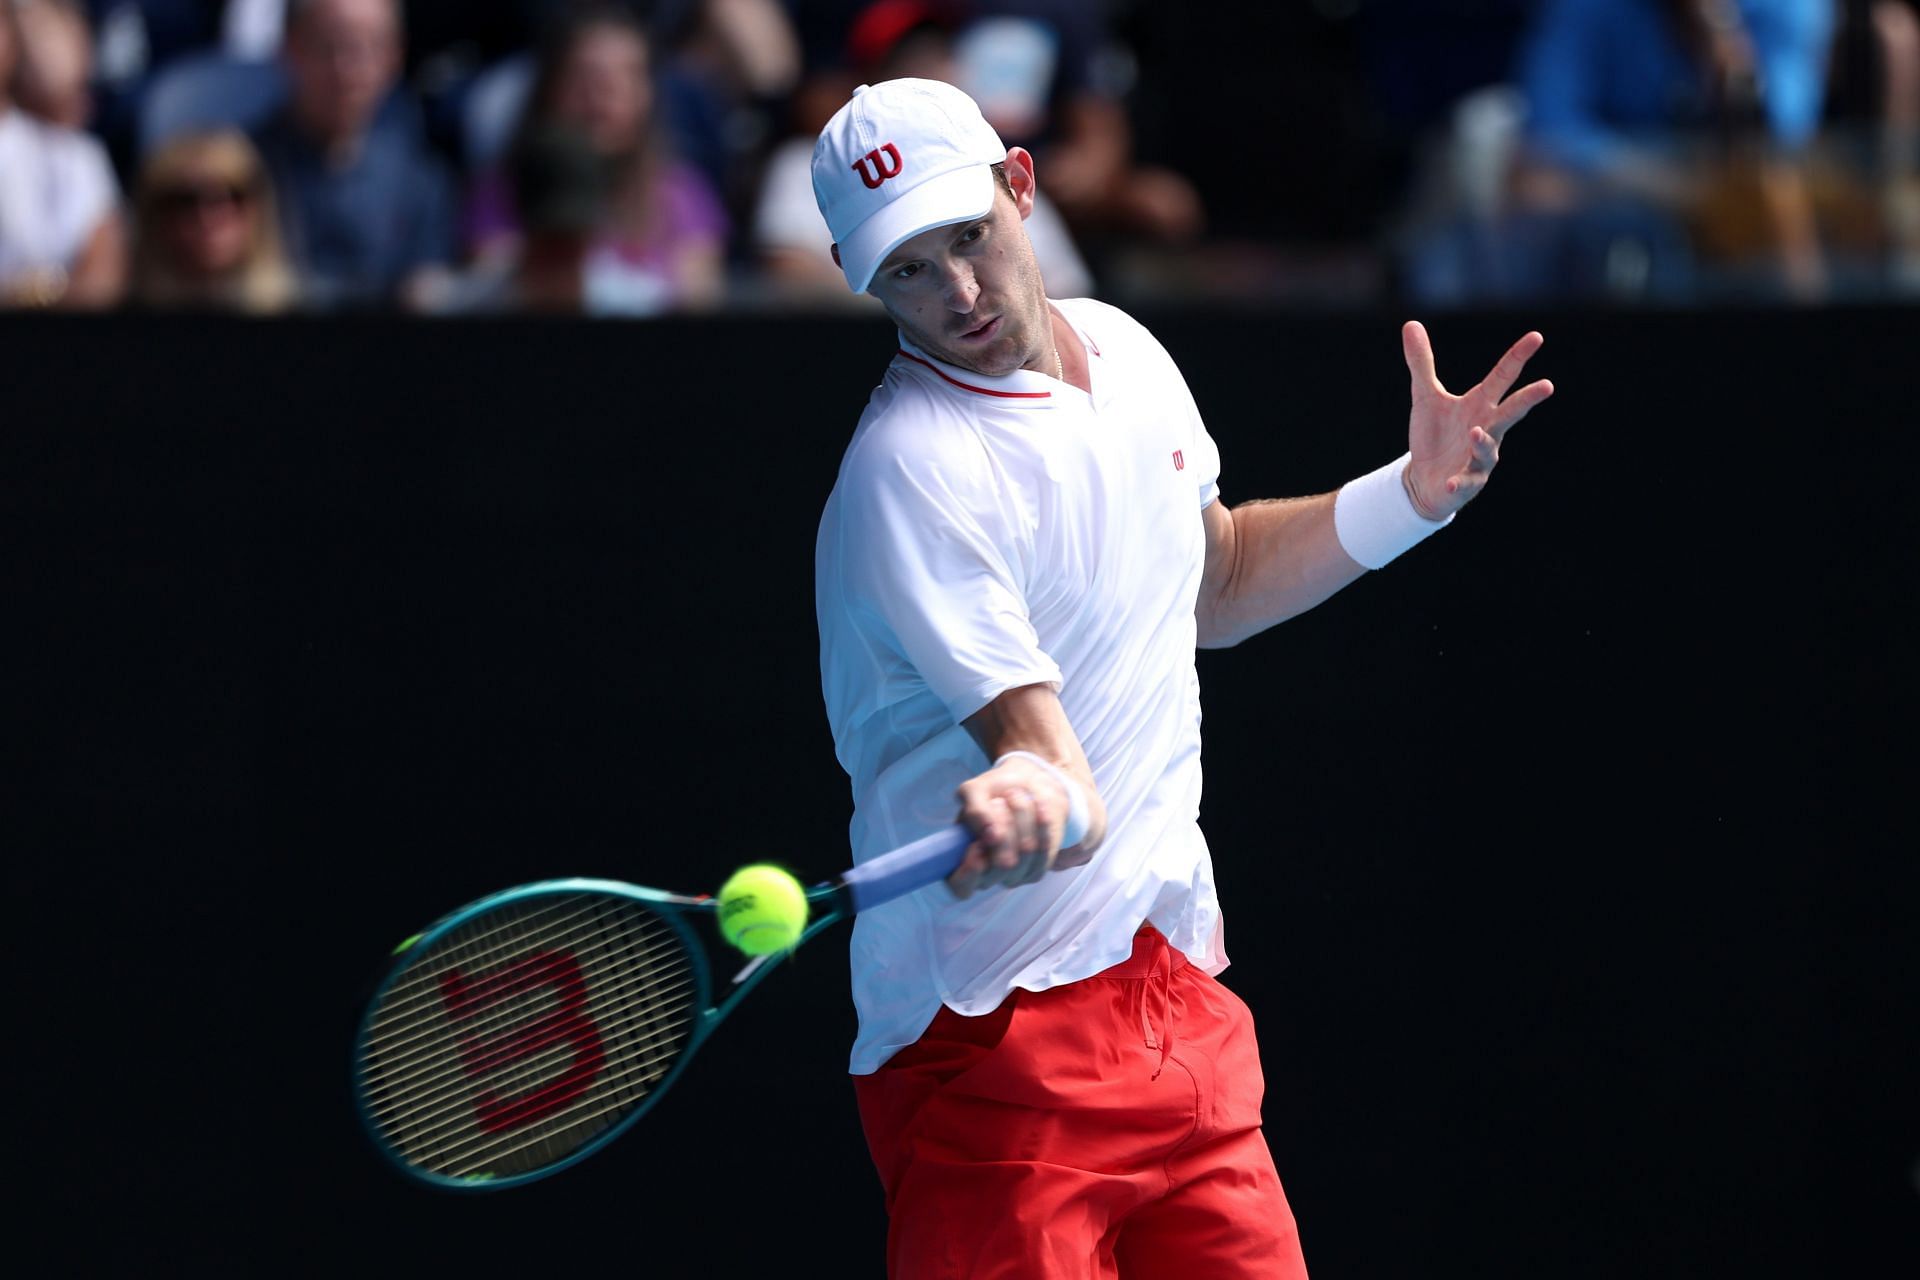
(911,866)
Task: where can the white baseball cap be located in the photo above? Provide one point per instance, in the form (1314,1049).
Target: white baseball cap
(899,158)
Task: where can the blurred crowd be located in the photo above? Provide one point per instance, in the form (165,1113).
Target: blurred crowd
(450,157)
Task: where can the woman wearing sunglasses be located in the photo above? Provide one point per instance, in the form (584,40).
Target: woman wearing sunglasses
(206,232)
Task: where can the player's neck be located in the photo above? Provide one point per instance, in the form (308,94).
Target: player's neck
(1070,351)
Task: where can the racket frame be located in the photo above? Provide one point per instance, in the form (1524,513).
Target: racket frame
(879,880)
(677,911)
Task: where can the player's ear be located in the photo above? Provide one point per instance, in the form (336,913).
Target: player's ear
(1019,170)
(836,256)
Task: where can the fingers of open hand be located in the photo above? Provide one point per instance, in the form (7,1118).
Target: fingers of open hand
(1519,405)
(1511,365)
(1419,352)
(1484,455)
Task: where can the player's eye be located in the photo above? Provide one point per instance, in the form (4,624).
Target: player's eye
(907,272)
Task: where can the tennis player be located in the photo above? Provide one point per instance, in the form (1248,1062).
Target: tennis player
(1024,546)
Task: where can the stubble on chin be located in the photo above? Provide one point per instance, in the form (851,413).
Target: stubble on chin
(996,361)
(999,358)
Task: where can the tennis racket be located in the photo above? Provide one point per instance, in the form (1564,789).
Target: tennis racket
(525,1031)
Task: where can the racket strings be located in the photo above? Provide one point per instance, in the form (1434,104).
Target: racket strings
(489,939)
(427,1074)
(455,1158)
(654,966)
(465,1151)
(416,1007)
(643,971)
(491,949)
(525,1033)
(441,1140)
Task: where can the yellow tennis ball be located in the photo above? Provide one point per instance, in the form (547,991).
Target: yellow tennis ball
(762,909)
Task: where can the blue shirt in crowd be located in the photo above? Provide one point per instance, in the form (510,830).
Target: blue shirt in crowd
(356,232)
(1600,74)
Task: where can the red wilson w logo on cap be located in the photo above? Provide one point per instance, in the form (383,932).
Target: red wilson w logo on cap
(879,173)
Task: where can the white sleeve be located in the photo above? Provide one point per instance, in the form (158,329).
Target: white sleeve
(932,551)
(1202,454)
(1205,463)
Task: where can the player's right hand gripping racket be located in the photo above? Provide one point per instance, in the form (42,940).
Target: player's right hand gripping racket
(525,1031)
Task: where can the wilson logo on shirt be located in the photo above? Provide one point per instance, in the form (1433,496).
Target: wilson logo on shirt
(1179,461)
(879,173)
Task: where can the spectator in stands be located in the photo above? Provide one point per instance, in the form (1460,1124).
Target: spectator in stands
(62,236)
(1896,27)
(1874,113)
(206,233)
(559,185)
(366,207)
(1040,70)
(750,43)
(729,67)
(1050,76)
(133,40)
(56,63)
(887,40)
(1698,110)
(662,232)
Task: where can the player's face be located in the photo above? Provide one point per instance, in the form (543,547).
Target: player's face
(970,293)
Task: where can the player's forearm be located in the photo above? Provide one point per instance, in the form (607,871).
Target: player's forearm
(1283,557)
(1031,719)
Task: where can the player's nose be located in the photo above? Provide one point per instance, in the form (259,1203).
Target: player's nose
(962,290)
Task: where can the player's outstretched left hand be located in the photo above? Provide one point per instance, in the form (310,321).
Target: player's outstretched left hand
(1455,440)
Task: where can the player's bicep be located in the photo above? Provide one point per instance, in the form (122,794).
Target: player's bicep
(1221,547)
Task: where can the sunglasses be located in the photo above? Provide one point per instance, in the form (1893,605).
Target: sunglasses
(189,198)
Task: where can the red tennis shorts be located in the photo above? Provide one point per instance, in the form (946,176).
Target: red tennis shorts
(1106,1128)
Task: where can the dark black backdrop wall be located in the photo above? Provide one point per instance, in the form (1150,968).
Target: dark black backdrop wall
(1568,861)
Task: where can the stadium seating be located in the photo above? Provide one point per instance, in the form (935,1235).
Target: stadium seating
(204,91)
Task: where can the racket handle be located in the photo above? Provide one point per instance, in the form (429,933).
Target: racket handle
(911,866)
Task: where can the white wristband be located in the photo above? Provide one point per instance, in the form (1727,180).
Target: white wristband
(1078,816)
(1375,518)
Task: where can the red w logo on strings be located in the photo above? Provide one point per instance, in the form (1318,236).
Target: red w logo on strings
(499,1042)
(879,173)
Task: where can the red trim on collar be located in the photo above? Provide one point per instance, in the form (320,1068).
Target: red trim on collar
(985,391)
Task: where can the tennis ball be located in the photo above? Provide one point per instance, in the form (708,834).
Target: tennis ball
(762,909)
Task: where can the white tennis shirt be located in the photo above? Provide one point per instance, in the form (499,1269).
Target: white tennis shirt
(988,533)
(56,187)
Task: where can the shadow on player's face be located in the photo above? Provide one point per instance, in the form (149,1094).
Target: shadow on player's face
(970,293)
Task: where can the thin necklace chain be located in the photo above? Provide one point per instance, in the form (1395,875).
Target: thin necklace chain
(1059,365)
